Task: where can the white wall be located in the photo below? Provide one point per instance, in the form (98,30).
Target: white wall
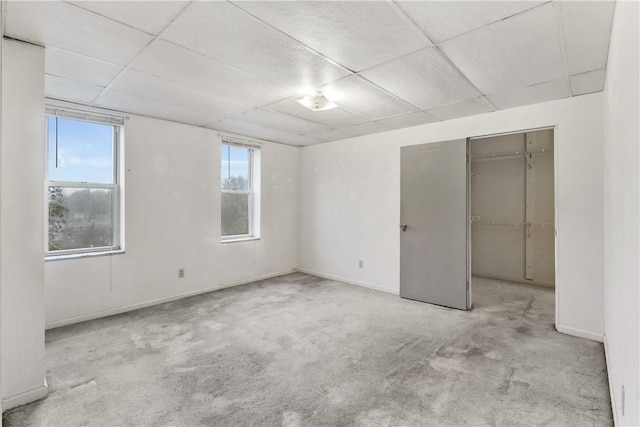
(21,223)
(350,199)
(1,42)
(622,213)
(172,220)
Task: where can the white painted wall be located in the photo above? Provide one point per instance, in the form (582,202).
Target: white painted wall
(172,203)
(21,223)
(622,213)
(1,42)
(350,198)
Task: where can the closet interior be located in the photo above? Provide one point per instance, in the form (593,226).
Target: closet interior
(512,207)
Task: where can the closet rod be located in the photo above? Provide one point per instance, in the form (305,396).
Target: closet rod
(542,224)
(515,224)
(497,155)
(510,154)
(537,152)
(501,224)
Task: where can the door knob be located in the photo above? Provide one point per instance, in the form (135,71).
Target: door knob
(403,227)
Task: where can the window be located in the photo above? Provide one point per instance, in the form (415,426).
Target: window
(83,183)
(240,187)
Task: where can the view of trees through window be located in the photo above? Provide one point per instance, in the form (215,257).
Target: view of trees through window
(235,214)
(80,218)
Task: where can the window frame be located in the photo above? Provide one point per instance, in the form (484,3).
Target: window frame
(253,193)
(117,123)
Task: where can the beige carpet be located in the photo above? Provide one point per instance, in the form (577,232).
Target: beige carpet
(300,350)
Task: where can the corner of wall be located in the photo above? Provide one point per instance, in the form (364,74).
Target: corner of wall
(621,213)
(612,395)
(299,153)
(22,224)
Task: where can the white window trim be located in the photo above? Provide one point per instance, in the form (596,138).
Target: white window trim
(117,186)
(253,191)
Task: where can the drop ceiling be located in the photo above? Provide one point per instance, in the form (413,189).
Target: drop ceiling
(240,66)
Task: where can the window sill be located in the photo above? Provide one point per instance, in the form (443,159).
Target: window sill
(239,239)
(48,258)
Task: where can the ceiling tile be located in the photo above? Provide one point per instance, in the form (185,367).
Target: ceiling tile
(70,90)
(149,16)
(424,79)
(73,66)
(357,95)
(364,129)
(329,135)
(68,27)
(587,27)
(592,81)
(548,91)
(462,109)
(134,104)
(249,129)
(280,122)
(407,120)
(441,20)
(514,53)
(191,69)
(334,118)
(157,89)
(357,35)
(222,31)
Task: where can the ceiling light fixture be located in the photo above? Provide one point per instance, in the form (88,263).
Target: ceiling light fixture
(317,102)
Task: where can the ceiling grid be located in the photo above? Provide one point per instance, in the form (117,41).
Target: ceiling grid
(241,66)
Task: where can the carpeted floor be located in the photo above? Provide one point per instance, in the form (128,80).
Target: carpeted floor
(301,350)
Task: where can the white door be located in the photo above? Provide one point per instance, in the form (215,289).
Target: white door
(434,224)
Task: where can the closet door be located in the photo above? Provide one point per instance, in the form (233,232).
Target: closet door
(434,220)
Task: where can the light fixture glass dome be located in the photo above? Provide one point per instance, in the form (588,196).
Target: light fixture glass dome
(317,102)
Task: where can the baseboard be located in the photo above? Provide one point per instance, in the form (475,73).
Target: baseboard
(580,333)
(347,281)
(612,394)
(131,307)
(25,397)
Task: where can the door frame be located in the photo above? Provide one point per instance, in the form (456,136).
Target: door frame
(554,127)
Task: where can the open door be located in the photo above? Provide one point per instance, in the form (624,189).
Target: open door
(434,224)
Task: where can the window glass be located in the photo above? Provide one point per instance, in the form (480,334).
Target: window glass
(80,218)
(80,151)
(235,214)
(235,167)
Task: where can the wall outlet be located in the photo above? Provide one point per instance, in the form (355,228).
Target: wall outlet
(360,263)
(181,273)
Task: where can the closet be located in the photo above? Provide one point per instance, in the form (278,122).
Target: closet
(512,207)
